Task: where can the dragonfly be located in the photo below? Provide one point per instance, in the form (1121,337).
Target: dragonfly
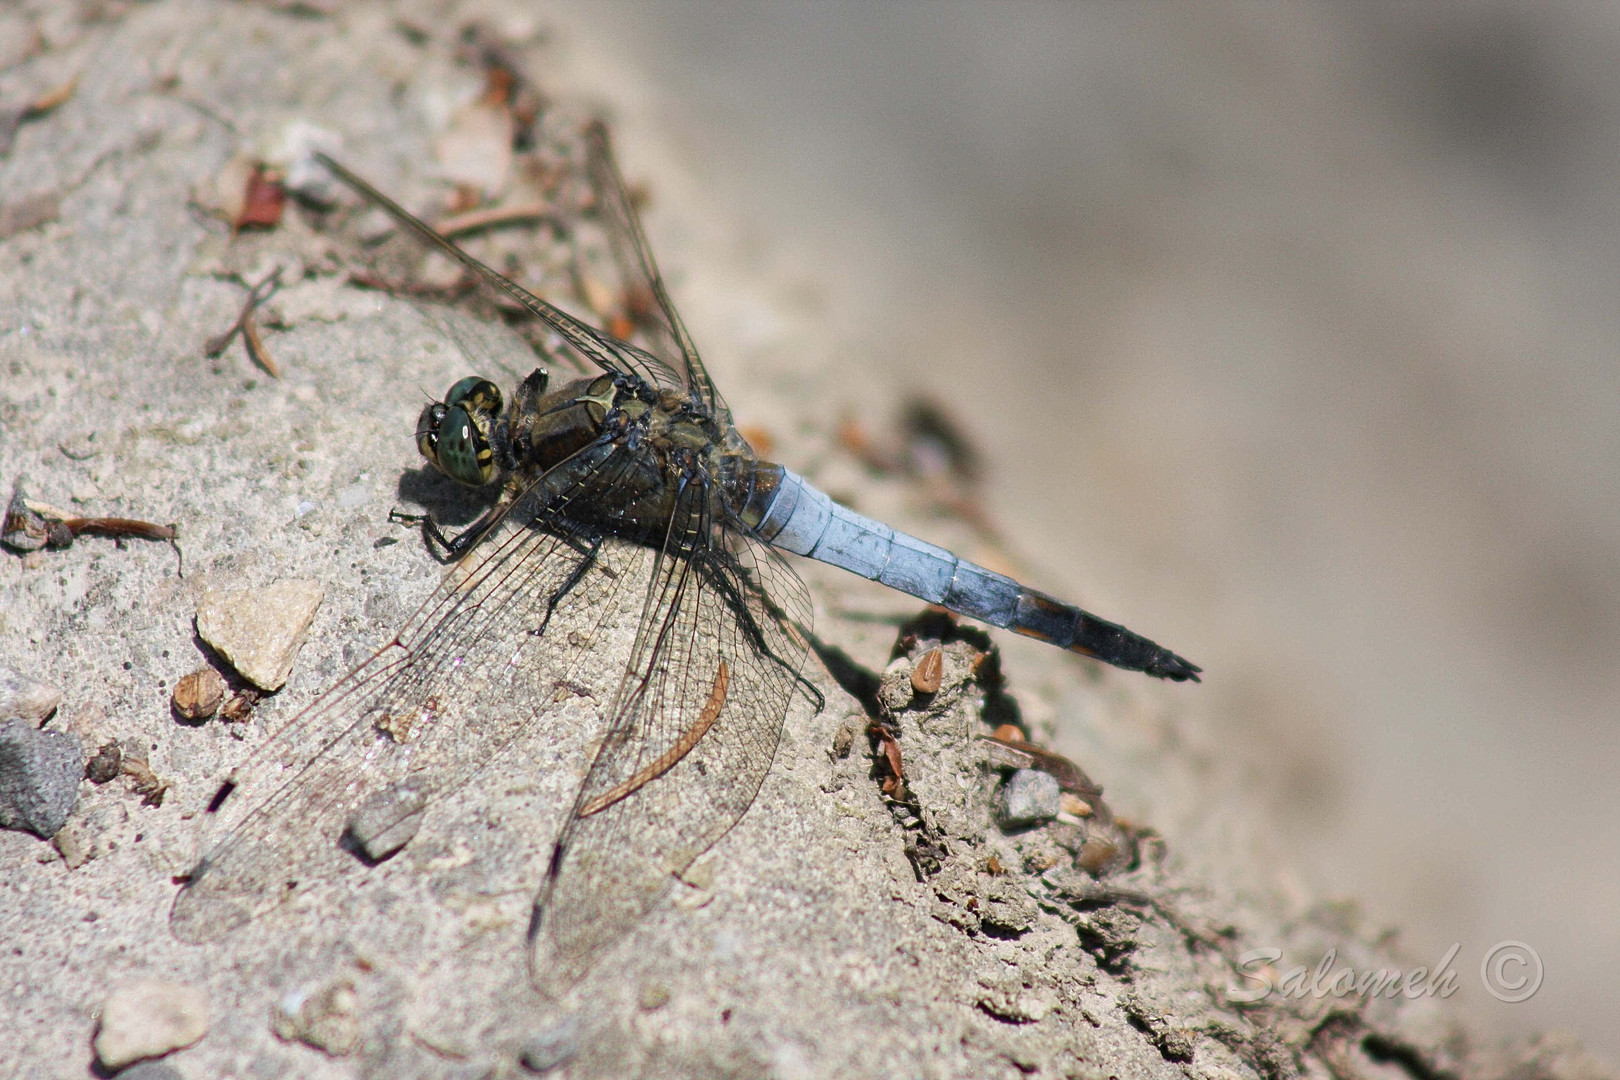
(624,500)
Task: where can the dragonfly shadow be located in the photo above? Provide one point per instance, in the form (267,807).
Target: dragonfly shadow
(450,506)
(450,503)
(856,680)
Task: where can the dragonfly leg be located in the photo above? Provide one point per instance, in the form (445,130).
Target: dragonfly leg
(445,548)
(590,551)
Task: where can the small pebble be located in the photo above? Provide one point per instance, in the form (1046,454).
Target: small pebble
(293,147)
(327,1018)
(1029,797)
(386,821)
(105,764)
(1018,1005)
(148,1019)
(26,698)
(699,881)
(259,631)
(1097,856)
(652,997)
(1070,803)
(844,739)
(39,777)
(197,696)
(894,688)
(598,297)
(545,1050)
(74,847)
(475,150)
(700,873)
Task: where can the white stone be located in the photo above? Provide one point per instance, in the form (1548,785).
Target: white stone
(259,631)
(148,1019)
(26,698)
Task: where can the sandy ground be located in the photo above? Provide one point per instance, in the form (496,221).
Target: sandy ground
(1191,520)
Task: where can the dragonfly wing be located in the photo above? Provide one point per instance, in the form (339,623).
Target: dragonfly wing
(667,335)
(689,740)
(602,349)
(469,673)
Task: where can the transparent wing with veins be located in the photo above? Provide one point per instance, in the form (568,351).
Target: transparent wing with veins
(693,725)
(683,747)
(689,739)
(604,350)
(666,333)
(472,671)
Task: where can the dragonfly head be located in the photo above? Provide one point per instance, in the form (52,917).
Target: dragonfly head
(454,433)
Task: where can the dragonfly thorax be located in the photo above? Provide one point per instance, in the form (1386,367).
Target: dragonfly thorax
(661,440)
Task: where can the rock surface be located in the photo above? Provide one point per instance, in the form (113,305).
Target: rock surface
(834,932)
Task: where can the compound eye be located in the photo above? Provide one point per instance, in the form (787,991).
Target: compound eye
(480,397)
(461,451)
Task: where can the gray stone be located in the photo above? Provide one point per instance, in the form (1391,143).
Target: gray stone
(149,1070)
(1029,797)
(39,777)
(386,821)
(545,1050)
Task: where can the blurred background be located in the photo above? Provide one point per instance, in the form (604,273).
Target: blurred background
(1289,334)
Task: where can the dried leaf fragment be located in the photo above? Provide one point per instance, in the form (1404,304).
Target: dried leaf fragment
(198,696)
(929,672)
(144,782)
(30,525)
(263,199)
